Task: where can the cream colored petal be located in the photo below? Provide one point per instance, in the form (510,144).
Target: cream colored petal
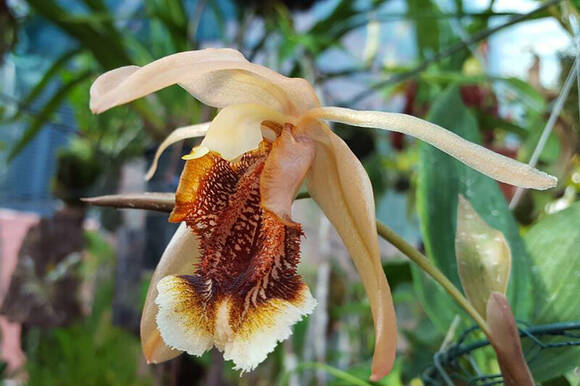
(494,165)
(179,258)
(341,187)
(176,135)
(237,129)
(108,84)
(108,81)
(251,83)
(217,77)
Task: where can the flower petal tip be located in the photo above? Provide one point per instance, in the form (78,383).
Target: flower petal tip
(381,370)
(154,350)
(190,319)
(94,108)
(553,181)
(536,179)
(271,324)
(98,108)
(377,375)
(151,361)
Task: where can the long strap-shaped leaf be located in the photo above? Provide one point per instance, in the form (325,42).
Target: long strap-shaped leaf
(49,75)
(46,112)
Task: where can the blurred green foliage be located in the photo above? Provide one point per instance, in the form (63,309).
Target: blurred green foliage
(92,351)
(444,83)
(553,245)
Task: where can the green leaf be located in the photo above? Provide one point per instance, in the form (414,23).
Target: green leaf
(52,72)
(344,18)
(560,381)
(490,121)
(441,180)
(339,374)
(173,17)
(47,111)
(525,92)
(553,245)
(427,33)
(518,89)
(552,148)
(103,41)
(438,305)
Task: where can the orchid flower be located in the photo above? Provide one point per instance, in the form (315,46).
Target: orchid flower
(228,277)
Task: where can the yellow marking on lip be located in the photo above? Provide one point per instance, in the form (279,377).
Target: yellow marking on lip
(196,152)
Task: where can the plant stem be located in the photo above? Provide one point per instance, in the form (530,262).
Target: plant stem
(426,265)
(164,202)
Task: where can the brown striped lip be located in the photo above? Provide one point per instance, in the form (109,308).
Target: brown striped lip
(245,293)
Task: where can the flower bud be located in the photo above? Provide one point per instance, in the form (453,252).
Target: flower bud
(483,257)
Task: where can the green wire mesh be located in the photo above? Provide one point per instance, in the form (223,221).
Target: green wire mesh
(457,364)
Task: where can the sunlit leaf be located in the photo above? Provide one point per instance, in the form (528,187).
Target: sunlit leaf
(553,245)
(339,374)
(109,55)
(427,34)
(493,122)
(552,148)
(46,112)
(60,63)
(171,14)
(525,93)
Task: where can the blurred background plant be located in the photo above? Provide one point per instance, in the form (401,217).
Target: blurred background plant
(493,71)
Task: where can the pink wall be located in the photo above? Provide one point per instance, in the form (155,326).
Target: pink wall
(13,228)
